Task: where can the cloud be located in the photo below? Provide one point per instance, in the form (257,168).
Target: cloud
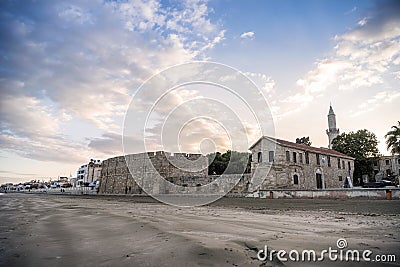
(362,66)
(247,35)
(47,149)
(109,144)
(83,60)
(229,100)
(264,82)
(351,10)
(379,99)
(76,14)
(31,129)
(363,57)
(180,124)
(18,173)
(362,22)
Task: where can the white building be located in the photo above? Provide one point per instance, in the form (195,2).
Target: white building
(89,173)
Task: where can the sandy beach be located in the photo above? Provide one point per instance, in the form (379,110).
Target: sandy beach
(52,230)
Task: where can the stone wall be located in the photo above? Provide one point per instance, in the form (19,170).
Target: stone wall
(366,193)
(116,177)
(158,172)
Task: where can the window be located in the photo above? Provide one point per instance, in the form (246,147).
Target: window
(301,157)
(338,163)
(307,158)
(398,161)
(343,165)
(287,156)
(294,157)
(271,156)
(387,162)
(317,156)
(348,164)
(295,179)
(329,161)
(375,163)
(340,178)
(259,157)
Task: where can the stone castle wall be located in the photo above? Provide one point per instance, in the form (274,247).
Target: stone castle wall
(155,171)
(116,177)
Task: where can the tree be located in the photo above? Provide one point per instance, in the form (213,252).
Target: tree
(361,145)
(304,140)
(231,162)
(393,139)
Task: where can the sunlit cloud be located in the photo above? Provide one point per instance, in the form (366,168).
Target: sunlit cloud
(247,35)
(83,60)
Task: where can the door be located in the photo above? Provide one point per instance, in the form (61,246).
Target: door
(319,180)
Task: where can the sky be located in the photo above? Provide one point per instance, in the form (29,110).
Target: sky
(69,71)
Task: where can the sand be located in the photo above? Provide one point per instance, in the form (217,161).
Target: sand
(51,230)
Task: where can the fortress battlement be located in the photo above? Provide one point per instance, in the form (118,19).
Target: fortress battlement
(158,155)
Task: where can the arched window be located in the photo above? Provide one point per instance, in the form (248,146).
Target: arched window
(295,179)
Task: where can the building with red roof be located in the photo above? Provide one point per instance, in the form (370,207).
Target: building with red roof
(278,163)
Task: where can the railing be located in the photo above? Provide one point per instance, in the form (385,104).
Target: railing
(84,190)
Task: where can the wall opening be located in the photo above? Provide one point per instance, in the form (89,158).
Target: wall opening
(318,177)
(295,179)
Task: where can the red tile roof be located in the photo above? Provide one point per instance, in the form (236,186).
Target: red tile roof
(322,150)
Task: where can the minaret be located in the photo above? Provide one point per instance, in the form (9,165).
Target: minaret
(332,132)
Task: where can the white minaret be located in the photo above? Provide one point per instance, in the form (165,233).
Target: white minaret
(332,131)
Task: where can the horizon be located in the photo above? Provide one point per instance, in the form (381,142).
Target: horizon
(70,69)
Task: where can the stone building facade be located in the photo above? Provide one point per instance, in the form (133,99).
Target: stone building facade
(387,167)
(287,165)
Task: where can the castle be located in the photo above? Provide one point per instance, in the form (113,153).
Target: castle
(161,172)
(276,164)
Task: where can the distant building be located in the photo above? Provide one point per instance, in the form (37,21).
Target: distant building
(387,167)
(332,131)
(287,165)
(89,172)
(63,179)
(72,181)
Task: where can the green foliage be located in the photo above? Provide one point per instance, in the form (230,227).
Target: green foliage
(304,140)
(230,162)
(363,146)
(393,139)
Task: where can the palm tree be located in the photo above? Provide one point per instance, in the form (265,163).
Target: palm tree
(393,139)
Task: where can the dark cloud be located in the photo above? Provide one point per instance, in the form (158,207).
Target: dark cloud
(112,144)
